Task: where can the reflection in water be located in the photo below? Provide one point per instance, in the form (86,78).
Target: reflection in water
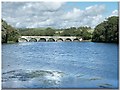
(60,65)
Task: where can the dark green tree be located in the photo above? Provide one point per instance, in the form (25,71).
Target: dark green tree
(49,32)
(107,31)
(9,33)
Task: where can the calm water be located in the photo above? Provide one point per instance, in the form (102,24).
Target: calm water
(60,65)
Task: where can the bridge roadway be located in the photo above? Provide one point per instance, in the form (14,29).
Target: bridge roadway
(48,38)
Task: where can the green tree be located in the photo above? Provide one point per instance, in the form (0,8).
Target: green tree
(49,32)
(9,33)
(85,34)
(107,31)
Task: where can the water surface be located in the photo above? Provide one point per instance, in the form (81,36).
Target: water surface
(60,65)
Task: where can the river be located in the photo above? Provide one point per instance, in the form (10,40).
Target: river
(60,65)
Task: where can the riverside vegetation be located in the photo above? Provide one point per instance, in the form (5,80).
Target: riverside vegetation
(9,33)
(106,31)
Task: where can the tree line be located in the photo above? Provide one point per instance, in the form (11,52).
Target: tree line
(106,31)
(84,32)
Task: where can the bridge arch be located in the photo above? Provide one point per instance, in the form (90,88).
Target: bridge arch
(59,40)
(76,40)
(23,40)
(42,40)
(68,40)
(51,40)
(33,40)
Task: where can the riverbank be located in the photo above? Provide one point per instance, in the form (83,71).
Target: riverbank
(10,42)
(86,40)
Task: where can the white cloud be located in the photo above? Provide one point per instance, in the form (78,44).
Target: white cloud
(114,13)
(42,6)
(94,10)
(91,16)
(53,5)
(96,20)
(73,15)
(44,14)
(48,22)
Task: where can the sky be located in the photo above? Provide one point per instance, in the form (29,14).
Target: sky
(57,14)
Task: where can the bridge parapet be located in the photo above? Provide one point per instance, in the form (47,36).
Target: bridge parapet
(48,38)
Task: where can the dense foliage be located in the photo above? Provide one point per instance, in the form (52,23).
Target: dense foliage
(9,34)
(84,32)
(37,31)
(107,31)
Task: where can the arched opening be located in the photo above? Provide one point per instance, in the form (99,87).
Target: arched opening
(23,40)
(76,40)
(51,40)
(33,40)
(42,40)
(81,39)
(59,40)
(68,40)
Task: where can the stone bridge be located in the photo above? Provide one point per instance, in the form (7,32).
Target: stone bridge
(48,38)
